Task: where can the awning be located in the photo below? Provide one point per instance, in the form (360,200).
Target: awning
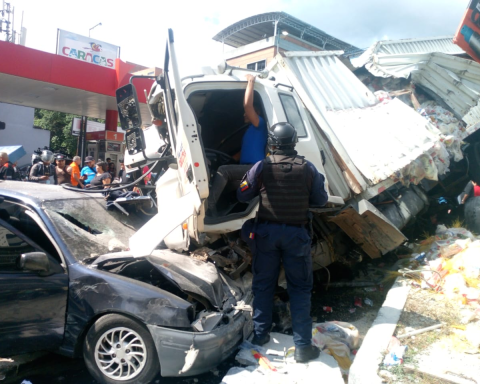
(15,152)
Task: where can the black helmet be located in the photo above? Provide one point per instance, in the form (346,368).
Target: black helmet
(282,135)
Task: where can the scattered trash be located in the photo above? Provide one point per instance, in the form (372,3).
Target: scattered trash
(339,331)
(341,353)
(395,357)
(368,302)
(26,382)
(262,360)
(357,302)
(370,289)
(328,309)
(394,343)
(352,310)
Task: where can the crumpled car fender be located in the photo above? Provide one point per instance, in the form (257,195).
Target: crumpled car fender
(94,292)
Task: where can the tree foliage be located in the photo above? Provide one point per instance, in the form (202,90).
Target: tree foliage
(59,124)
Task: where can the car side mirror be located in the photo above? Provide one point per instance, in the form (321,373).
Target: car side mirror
(34,261)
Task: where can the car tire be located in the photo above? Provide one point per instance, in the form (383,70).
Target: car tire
(118,349)
(472,214)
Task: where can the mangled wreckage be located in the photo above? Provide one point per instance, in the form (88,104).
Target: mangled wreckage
(373,151)
(173,294)
(69,285)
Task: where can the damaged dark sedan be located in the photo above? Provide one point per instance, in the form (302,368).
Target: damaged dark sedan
(70,285)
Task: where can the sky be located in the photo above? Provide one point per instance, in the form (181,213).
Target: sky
(139,27)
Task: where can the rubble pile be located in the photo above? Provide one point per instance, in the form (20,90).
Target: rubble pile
(450,130)
(445,269)
(454,256)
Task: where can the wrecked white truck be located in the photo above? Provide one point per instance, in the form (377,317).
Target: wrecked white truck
(360,143)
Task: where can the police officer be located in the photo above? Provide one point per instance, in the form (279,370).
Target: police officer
(287,184)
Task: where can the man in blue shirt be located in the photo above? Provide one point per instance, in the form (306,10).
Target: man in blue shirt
(287,185)
(88,171)
(253,149)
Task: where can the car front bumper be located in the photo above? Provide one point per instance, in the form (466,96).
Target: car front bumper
(214,346)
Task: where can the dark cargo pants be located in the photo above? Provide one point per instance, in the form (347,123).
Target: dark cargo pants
(275,243)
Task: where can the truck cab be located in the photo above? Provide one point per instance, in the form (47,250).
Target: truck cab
(197,127)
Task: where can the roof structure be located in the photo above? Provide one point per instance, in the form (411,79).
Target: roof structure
(443,44)
(258,27)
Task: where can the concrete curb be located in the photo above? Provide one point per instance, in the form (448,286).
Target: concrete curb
(365,366)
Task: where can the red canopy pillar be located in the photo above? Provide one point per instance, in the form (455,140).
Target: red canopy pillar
(111,119)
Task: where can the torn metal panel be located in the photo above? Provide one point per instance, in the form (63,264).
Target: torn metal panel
(454,80)
(369,229)
(190,275)
(373,140)
(384,138)
(443,44)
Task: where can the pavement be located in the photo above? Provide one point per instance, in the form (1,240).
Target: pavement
(287,370)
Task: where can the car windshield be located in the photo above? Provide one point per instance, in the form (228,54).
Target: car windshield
(88,228)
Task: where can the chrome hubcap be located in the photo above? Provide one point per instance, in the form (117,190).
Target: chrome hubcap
(120,354)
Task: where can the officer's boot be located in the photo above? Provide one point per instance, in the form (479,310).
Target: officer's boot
(306,353)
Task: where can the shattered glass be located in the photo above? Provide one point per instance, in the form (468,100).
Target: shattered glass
(88,229)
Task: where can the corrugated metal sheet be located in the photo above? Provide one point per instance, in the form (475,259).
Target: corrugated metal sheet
(328,81)
(455,80)
(382,139)
(443,44)
(373,139)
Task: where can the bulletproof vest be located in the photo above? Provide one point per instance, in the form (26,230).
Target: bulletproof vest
(285,190)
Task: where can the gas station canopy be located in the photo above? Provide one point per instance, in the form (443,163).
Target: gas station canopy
(43,80)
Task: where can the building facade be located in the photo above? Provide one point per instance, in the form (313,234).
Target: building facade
(16,128)
(256,40)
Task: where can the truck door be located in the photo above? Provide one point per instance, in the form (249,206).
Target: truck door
(186,206)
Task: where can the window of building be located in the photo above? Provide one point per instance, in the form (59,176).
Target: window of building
(2,125)
(258,66)
(293,114)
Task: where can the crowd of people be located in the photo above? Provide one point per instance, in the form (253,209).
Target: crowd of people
(53,169)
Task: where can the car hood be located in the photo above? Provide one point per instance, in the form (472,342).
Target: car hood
(201,280)
(191,276)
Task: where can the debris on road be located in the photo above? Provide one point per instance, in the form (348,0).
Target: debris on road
(277,353)
(395,357)
(440,325)
(357,302)
(419,331)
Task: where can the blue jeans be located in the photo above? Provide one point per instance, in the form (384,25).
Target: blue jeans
(291,245)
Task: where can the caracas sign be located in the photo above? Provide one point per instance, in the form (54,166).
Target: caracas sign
(86,49)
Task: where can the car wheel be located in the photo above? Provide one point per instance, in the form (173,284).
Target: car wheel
(118,349)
